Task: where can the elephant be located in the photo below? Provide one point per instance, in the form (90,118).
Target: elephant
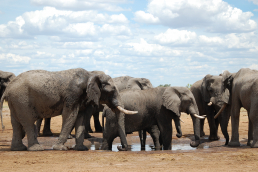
(239,90)
(123,82)
(39,94)
(200,91)
(5,79)
(47,131)
(155,106)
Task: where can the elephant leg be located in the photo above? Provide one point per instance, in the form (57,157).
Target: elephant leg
(18,135)
(31,130)
(253,122)
(88,115)
(250,132)
(165,127)
(235,113)
(155,135)
(79,132)
(69,118)
(213,125)
(38,124)
(202,125)
(98,127)
(46,130)
(142,135)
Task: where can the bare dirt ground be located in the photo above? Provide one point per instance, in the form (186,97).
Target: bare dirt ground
(209,156)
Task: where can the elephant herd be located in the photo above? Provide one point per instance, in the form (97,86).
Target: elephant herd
(128,104)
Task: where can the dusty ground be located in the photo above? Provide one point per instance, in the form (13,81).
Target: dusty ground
(209,156)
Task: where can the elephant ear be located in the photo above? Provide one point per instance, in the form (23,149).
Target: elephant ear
(134,83)
(93,90)
(227,80)
(171,100)
(204,86)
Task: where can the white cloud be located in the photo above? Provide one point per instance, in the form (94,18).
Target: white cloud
(254,1)
(13,58)
(108,5)
(51,21)
(254,66)
(175,36)
(213,15)
(141,16)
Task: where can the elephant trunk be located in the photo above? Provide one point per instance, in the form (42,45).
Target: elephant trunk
(221,110)
(197,132)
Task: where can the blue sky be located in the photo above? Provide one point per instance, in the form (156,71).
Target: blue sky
(169,42)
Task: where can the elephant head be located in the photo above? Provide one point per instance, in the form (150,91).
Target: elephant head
(181,99)
(139,84)
(5,79)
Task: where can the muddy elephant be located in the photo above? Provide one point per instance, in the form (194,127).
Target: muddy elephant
(200,90)
(155,106)
(239,90)
(42,94)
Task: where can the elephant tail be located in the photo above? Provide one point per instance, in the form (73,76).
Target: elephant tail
(1,108)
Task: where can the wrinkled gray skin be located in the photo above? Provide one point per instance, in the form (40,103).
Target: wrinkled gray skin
(47,131)
(41,94)
(202,97)
(123,82)
(240,90)
(155,106)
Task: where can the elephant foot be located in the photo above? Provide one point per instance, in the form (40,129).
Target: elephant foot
(250,142)
(194,143)
(202,133)
(59,147)
(90,130)
(254,144)
(19,148)
(122,149)
(80,148)
(70,136)
(87,135)
(213,138)
(179,135)
(36,147)
(47,133)
(234,144)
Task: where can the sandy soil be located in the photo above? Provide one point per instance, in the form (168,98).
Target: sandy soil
(209,156)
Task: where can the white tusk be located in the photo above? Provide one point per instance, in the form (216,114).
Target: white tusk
(182,121)
(198,116)
(126,111)
(221,109)
(209,104)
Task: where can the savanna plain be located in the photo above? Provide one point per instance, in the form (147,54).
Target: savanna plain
(208,156)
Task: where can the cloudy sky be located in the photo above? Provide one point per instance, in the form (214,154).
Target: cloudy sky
(167,41)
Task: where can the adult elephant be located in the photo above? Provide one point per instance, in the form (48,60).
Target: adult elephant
(42,94)
(239,90)
(155,106)
(47,131)
(200,90)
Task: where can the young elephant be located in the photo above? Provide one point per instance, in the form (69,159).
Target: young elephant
(155,106)
(41,94)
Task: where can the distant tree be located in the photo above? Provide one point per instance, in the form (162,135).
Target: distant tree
(188,86)
(165,85)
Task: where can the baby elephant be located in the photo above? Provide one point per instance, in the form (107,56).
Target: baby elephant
(155,106)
